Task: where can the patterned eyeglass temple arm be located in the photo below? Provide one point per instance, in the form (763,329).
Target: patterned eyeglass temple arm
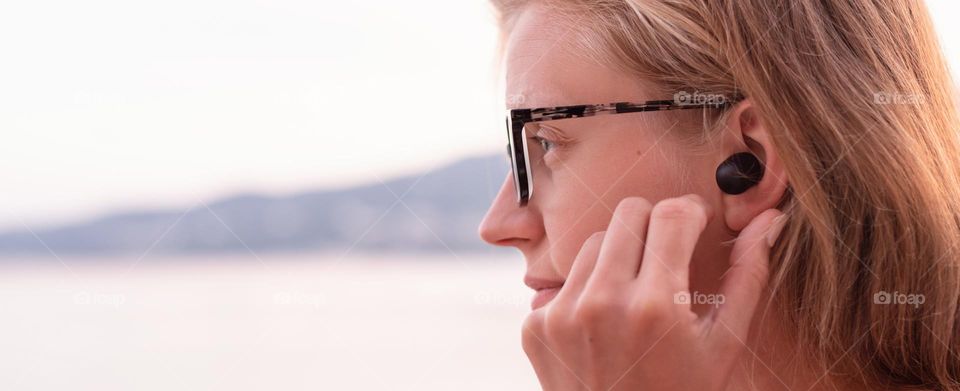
(564,112)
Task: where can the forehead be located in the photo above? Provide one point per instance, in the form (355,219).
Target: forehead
(545,67)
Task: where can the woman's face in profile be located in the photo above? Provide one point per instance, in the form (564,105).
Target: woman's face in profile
(582,167)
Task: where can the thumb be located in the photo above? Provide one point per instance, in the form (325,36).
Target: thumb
(749,270)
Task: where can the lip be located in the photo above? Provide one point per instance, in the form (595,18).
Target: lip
(546,290)
(542,297)
(536,283)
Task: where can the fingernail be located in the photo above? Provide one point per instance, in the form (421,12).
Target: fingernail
(775,229)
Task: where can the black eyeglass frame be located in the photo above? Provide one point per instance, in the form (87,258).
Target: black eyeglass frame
(518,118)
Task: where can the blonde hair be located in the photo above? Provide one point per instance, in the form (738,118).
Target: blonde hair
(861,110)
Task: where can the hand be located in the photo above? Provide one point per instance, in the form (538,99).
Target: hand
(615,325)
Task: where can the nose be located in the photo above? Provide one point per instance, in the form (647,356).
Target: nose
(508,224)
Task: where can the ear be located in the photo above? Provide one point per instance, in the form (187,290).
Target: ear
(745,131)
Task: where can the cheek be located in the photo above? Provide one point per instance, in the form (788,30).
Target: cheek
(567,229)
(588,189)
(608,171)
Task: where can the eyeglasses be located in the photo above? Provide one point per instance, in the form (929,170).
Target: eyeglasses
(517,119)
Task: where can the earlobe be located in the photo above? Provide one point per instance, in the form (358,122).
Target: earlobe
(751,176)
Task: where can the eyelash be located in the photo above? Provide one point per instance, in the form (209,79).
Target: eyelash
(541,140)
(551,144)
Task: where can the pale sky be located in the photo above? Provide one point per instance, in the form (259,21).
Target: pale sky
(110,105)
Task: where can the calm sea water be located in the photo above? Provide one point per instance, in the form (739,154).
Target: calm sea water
(273,322)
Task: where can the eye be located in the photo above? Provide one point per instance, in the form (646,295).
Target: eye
(545,144)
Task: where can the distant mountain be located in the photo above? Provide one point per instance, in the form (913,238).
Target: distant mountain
(440,211)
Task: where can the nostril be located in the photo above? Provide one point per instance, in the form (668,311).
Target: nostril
(498,234)
(512,242)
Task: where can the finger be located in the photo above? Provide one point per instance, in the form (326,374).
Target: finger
(619,258)
(675,227)
(744,282)
(583,266)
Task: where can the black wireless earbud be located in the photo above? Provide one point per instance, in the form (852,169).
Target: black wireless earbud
(739,172)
